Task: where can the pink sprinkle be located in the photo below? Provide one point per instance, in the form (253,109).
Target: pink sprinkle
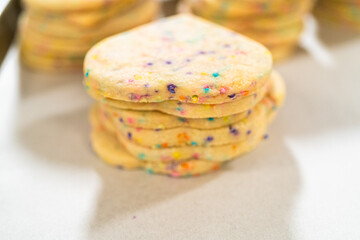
(223,90)
(138,96)
(131,80)
(130,120)
(138,129)
(182,112)
(165,158)
(196,155)
(240,52)
(175,174)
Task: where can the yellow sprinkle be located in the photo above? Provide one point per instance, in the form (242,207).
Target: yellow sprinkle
(95,57)
(194,98)
(150,72)
(137,77)
(226,119)
(203,73)
(176,155)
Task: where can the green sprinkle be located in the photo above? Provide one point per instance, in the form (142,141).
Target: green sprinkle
(150,171)
(211,119)
(141,156)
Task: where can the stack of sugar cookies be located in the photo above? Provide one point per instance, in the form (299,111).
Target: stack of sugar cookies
(344,13)
(275,23)
(55,35)
(180,96)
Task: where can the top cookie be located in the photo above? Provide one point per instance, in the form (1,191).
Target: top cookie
(182,58)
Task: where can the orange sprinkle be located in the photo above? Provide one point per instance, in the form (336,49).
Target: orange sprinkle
(244,93)
(187,166)
(215,167)
(164,145)
(181,97)
(234,147)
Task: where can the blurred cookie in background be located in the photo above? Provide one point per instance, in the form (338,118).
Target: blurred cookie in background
(341,13)
(277,24)
(55,35)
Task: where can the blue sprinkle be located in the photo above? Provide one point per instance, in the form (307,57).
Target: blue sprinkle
(211,119)
(87,73)
(232,95)
(121,119)
(206,90)
(248,132)
(216,74)
(129,135)
(209,138)
(193,143)
(171,88)
(181,119)
(266,136)
(234,131)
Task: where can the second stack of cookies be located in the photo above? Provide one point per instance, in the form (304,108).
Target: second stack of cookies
(55,35)
(277,23)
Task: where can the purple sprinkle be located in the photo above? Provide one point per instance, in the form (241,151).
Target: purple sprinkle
(232,95)
(121,119)
(157,129)
(188,60)
(209,138)
(234,131)
(249,111)
(171,88)
(129,135)
(248,132)
(134,217)
(120,167)
(189,73)
(156,91)
(168,62)
(147,85)
(149,63)
(266,136)
(202,52)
